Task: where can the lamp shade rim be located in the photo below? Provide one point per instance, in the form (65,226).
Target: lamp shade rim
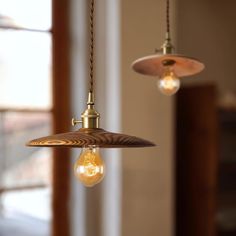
(85,137)
(153,65)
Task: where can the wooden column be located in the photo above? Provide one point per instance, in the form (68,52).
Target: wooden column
(196,161)
(61,116)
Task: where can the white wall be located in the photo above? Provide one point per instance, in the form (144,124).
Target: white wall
(108,88)
(97,211)
(78,100)
(147,172)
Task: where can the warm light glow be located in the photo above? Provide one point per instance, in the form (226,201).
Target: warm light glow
(169,83)
(89,168)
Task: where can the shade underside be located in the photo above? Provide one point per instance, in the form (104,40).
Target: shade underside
(153,65)
(86,137)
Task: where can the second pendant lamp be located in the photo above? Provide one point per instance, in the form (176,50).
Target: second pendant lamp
(90,168)
(167,66)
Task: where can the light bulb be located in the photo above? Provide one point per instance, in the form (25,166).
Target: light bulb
(169,83)
(89,168)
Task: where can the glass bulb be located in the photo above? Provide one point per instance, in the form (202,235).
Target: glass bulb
(89,168)
(169,83)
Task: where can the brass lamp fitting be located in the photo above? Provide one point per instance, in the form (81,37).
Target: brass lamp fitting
(90,117)
(167,47)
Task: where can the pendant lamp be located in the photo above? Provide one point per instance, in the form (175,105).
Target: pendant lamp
(90,168)
(167,66)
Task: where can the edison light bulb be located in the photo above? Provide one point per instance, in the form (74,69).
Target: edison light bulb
(89,168)
(169,83)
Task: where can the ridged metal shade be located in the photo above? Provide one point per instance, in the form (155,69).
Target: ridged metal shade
(154,65)
(88,137)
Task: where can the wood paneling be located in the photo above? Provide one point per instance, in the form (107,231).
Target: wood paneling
(196,161)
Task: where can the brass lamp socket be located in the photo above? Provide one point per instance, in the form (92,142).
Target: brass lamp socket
(90,117)
(167,47)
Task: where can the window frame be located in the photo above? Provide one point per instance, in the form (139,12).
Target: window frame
(61,115)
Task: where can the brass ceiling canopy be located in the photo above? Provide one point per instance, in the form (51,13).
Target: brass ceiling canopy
(167,66)
(89,168)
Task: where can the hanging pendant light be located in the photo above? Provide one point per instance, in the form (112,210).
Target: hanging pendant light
(90,168)
(167,66)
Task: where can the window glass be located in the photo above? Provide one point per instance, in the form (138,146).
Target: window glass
(31,14)
(25,69)
(20,165)
(33,204)
(25,174)
(25,88)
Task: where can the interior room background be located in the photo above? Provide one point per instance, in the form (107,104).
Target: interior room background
(138,194)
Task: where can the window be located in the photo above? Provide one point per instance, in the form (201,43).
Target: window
(25,113)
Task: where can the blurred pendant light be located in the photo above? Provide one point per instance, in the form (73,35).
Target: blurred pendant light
(167,66)
(90,168)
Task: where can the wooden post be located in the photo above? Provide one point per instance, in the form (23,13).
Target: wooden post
(61,116)
(197,140)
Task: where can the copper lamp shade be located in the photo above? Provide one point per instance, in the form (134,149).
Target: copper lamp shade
(166,65)
(154,65)
(88,137)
